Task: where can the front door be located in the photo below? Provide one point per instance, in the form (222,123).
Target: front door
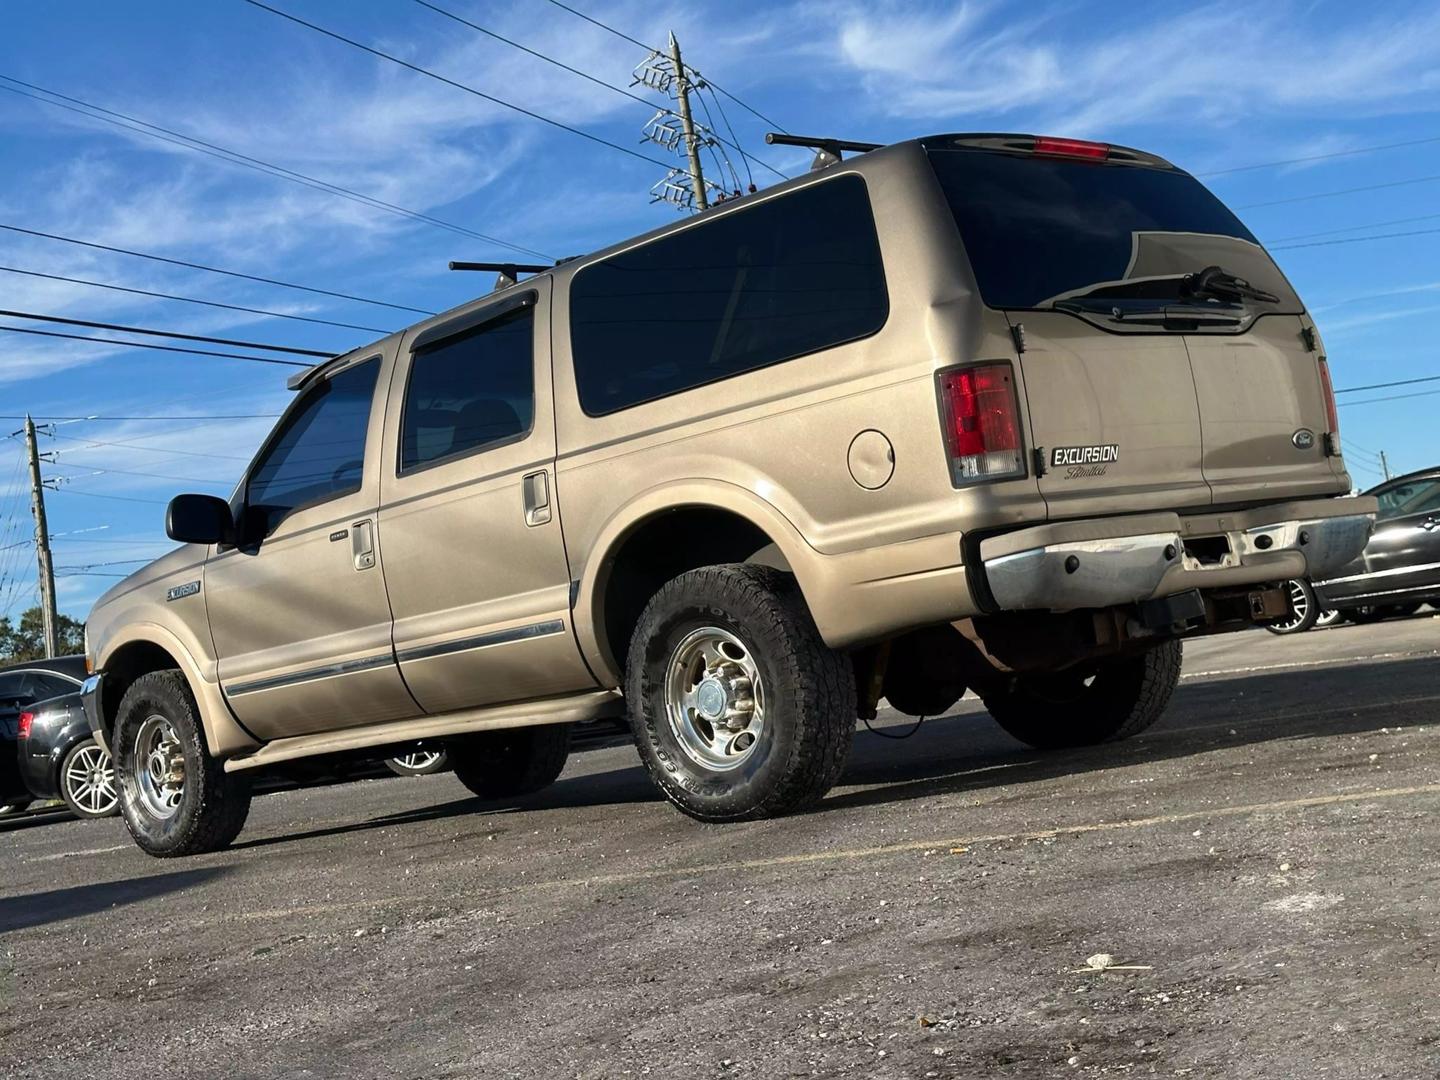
(1403,555)
(474,561)
(298,610)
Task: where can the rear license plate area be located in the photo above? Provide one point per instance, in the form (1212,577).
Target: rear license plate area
(1206,552)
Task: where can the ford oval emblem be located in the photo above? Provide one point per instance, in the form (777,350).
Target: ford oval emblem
(1303,439)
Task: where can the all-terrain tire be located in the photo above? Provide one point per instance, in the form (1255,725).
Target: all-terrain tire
(1123,698)
(809,709)
(512,762)
(213,804)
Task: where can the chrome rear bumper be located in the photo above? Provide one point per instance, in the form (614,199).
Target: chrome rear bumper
(1110,561)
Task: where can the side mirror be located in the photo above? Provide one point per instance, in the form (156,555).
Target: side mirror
(199,519)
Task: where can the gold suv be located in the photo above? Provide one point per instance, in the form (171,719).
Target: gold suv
(1004,413)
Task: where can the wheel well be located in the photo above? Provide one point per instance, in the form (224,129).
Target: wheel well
(128,663)
(663,547)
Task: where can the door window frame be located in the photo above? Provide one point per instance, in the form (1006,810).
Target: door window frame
(444,333)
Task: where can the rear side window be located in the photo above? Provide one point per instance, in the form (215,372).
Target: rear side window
(469,392)
(753,288)
(1410,497)
(320,452)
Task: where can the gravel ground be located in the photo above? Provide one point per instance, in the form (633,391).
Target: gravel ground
(1262,864)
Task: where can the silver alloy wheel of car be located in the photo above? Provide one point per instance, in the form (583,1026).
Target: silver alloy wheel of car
(420,759)
(159,767)
(1299,607)
(90,780)
(714,699)
(1329,617)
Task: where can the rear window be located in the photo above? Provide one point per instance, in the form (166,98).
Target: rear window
(768,283)
(1037,229)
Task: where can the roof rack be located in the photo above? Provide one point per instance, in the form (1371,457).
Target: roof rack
(827,151)
(508,273)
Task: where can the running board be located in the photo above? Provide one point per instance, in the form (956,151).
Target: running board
(594,705)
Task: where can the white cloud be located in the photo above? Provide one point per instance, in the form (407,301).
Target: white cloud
(1217,65)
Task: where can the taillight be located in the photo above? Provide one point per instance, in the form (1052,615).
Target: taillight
(26,719)
(982,422)
(1076,148)
(1332,414)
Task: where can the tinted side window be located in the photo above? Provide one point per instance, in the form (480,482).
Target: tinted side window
(44,685)
(11,687)
(760,285)
(470,391)
(320,452)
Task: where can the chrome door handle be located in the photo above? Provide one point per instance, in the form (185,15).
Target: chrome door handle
(536,492)
(362,544)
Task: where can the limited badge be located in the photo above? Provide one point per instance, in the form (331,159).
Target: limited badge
(1080,461)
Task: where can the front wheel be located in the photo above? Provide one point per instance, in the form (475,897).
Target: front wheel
(422,761)
(1085,707)
(176,799)
(87,781)
(739,708)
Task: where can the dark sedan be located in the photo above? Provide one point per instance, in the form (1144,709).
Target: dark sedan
(59,758)
(1400,566)
(21,686)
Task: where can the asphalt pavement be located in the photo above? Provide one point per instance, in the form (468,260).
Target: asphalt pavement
(1250,889)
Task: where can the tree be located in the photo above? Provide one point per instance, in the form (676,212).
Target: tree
(27,641)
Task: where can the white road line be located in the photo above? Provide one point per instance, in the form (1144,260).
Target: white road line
(74,854)
(1328,662)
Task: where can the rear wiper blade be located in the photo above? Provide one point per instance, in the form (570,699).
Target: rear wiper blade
(1158,314)
(1216,282)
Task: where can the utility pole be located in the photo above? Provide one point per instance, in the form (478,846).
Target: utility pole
(692,141)
(42,542)
(1384,465)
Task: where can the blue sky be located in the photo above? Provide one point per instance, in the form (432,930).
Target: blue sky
(1212,87)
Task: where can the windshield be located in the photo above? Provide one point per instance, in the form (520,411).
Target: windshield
(1041,229)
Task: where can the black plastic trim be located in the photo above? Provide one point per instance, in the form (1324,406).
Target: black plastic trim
(482,641)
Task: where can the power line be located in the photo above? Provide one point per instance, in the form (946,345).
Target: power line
(193,300)
(586,75)
(1322,157)
(457,85)
(147,345)
(1341,191)
(1352,240)
(213,269)
(116,498)
(150,475)
(234,157)
(134,444)
(636,41)
(1384,385)
(1391,397)
(166,419)
(1354,228)
(165,334)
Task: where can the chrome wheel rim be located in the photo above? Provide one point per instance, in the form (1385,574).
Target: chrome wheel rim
(159,767)
(90,780)
(420,759)
(715,699)
(1328,618)
(1299,606)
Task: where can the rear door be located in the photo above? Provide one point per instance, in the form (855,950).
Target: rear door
(1142,393)
(1404,552)
(474,558)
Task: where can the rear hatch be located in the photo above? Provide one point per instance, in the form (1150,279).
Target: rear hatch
(1148,385)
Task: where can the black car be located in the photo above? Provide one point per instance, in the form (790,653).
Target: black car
(59,758)
(21,686)
(1400,567)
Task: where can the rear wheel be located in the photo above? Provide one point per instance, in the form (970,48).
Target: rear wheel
(175,797)
(739,708)
(512,762)
(1085,707)
(1304,610)
(87,781)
